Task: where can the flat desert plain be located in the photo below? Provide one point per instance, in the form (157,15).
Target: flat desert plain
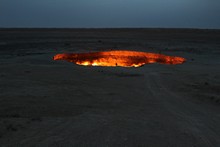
(57,103)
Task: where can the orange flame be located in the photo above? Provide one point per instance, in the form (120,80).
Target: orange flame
(118,58)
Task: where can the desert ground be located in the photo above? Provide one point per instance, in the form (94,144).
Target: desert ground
(57,103)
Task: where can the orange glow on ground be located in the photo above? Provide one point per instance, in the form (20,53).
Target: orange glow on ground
(118,58)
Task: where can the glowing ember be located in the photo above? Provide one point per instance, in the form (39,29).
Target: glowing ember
(118,58)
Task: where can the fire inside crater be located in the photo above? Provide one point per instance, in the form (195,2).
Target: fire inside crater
(121,58)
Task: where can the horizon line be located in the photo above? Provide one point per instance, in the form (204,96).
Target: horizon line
(180,28)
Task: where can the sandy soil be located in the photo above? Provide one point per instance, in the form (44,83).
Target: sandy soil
(56,103)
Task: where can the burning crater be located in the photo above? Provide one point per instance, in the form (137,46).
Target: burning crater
(118,58)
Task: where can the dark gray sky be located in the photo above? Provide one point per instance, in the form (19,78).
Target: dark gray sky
(110,13)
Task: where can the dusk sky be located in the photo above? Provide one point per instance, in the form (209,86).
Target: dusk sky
(110,13)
